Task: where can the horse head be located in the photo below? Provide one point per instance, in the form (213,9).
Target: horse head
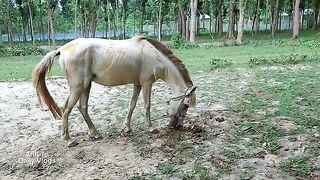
(179,106)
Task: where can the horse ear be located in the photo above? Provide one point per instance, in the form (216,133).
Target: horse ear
(191,91)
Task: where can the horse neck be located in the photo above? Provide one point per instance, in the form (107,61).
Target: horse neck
(174,80)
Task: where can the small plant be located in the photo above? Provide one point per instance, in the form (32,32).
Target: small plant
(201,172)
(167,169)
(219,63)
(176,40)
(298,166)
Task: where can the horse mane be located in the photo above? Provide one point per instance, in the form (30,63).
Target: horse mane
(170,55)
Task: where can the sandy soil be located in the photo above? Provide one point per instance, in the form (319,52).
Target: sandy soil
(30,145)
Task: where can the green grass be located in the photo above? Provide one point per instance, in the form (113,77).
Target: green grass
(297,166)
(283,86)
(21,67)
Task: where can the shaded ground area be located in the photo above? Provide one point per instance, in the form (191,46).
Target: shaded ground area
(238,130)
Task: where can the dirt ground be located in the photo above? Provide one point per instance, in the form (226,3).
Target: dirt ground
(30,145)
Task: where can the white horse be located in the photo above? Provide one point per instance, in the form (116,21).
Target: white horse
(139,61)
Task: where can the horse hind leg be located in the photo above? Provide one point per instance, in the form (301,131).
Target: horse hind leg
(83,108)
(127,123)
(71,101)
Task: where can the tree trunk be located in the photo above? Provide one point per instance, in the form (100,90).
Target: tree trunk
(94,20)
(231,20)
(24,30)
(9,23)
(316,7)
(242,6)
(187,28)
(256,17)
(220,22)
(75,18)
(193,26)
(296,19)
(280,21)
(160,21)
(182,19)
(1,41)
(109,21)
(274,11)
(302,20)
(143,11)
(31,24)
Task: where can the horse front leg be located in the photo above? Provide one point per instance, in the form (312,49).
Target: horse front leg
(127,123)
(146,91)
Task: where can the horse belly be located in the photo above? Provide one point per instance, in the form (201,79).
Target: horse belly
(117,76)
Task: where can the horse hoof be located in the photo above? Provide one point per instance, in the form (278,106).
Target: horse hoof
(95,137)
(154,131)
(72,143)
(126,130)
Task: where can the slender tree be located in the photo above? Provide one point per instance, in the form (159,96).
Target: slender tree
(296,21)
(316,8)
(9,22)
(231,20)
(220,22)
(193,24)
(31,22)
(256,18)
(242,7)
(159,20)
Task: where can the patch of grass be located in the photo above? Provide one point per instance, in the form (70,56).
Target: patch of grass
(297,166)
(135,178)
(21,67)
(167,168)
(219,63)
(200,172)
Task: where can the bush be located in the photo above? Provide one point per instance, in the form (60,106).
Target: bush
(21,51)
(290,59)
(219,63)
(176,40)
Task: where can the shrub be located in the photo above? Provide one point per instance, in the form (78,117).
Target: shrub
(219,63)
(176,40)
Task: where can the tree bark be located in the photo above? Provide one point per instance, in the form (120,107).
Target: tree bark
(143,11)
(1,41)
(159,21)
(231,20)
(94,20)
(274,11)
(296,19)
(316,7)
(187,28)
(75,18)
(9,23)
(31,23)
(242,6)
(220,22)
(182,19)
(256,19)
(193,25)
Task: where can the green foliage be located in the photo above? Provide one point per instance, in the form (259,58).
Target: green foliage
(298,166)
(176,41)
(167,169)
(21,50)
(287,59)
(200,172)
(219,63)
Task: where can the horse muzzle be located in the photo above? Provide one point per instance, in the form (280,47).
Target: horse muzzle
(176,121)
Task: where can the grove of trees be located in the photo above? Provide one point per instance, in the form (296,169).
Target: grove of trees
(117,17)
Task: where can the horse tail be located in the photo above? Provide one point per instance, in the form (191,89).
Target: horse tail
(39,78)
